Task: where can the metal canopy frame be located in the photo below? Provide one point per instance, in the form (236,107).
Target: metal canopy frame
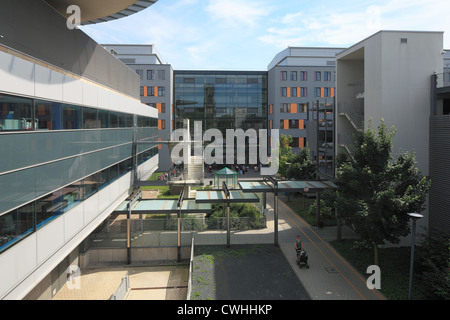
(269,184)
(205,198)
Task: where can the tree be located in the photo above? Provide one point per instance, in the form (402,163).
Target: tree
(295,166)
(302,167)
(377,191)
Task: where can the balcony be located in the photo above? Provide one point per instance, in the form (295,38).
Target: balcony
(443,80)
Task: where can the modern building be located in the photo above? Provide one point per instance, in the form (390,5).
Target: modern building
(301,95)
(388,76)
(70,113)
(221,100)
(155,88)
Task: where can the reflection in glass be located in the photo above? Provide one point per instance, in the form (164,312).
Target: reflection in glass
(72,117)
(48,115)
(16,225)
(15,113)
(90,118)
(48,208)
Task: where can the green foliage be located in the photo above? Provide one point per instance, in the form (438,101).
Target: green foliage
(237,210)
(434,263)
(376,190)
(295,166)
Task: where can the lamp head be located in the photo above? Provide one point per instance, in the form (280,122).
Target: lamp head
(415,216)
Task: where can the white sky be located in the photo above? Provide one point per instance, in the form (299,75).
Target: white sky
(247,34)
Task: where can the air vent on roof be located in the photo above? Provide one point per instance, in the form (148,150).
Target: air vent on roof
(404,40)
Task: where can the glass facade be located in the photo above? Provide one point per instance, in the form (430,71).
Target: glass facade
(57,155)
(221,99)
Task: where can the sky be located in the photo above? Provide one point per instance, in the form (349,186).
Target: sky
(247,34)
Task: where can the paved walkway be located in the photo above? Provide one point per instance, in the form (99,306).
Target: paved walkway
(329,277)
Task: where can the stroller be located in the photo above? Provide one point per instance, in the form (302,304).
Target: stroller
(302,259)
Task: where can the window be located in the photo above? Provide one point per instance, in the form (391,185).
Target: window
(327,76)
(285,108)
(125,120)
(150,75)
(140,72)
(283,75)
(303,75)
(283,91)
(282,124)
(15,113)
(326,92)
(294,143)
(163,108)
(113,119)
(303,107)
(142,91)
(303,91)
(16,225)
(103,118)
(90,118)
(317,76)
(48,208)
(293,92)
(293,75)
(48,115)
(161,74)
(163,124)
(161,91)
(293,124)
(317,92)
(150,91)
(72,117)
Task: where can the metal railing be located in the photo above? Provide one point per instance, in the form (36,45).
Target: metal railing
(191,266)
(354,114)
(122,290)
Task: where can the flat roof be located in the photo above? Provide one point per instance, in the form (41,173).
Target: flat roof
(357,45)
(218,196)
(102,10)
(155,206)
(285,186)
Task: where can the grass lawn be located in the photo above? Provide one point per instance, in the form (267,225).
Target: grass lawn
(394,267)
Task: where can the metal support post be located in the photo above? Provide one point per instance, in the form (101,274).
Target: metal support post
(275,218)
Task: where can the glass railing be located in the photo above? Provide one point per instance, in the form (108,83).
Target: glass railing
(359,88)
(443,80)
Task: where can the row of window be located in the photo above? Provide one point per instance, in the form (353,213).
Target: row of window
(292,124)
(303,92)
(288,108)
(303,76)
(152,74)
(19,113)
(19,223)
(150,91)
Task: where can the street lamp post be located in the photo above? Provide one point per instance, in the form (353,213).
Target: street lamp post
(414,217)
